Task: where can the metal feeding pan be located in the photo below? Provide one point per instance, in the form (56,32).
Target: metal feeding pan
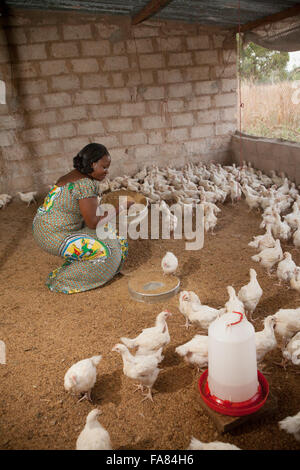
(153,286)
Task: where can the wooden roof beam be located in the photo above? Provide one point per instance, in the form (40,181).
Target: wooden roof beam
(152,7)
(282,15)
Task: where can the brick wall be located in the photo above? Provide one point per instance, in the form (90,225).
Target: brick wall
(160,92)
(268,154)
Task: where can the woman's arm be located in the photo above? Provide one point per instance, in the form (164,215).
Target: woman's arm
(88,209)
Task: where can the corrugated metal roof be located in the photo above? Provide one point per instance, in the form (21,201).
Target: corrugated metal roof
(222,13)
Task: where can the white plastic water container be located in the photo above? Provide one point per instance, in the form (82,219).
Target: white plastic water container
(232,365)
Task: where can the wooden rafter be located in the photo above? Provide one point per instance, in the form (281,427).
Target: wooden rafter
(152,7)
(289,12)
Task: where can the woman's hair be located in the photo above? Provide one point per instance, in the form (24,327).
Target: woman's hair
(87,156)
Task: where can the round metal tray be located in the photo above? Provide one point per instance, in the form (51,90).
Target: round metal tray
(157,282)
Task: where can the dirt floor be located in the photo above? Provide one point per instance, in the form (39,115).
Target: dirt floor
(45,333)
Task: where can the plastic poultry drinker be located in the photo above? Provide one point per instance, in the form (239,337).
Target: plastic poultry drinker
(232,385)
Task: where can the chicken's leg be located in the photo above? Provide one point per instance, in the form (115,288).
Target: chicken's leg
(251,316)
(138,387)
(187,324)
(148,395)
(86,396)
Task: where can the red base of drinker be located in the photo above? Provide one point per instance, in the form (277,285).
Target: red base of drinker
(226,407)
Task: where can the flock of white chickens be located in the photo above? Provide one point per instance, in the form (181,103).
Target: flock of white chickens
(207,185)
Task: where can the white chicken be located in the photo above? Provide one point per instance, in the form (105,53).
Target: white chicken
(281,229)
(235,191)
(286,268)
(133,185)
(151,339)
(268,199)
(114,185)
(292,350)
(265,340)
(141,174)
(93,436)
(210,220)
(293,192)
(28,197)
(169,263)
(293,217)
(81,377)
(4,199)
(252,199)
(296,236)
(190,306)
(291,424)
(265,179)
(212,206)
(169,219)
(261,242)
(195,351)
(157,353)
(233,304)
(268,217)
(151,194)
(275,178)
(287,323)
(295,279)
(283,202)
(188,300)
(221,194)
(104,185)
(141,368)
(269,256)
(284,187)
(195,444)
(210,196)
(251,293)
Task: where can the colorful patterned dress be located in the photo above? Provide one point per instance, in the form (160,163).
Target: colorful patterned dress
(58,228)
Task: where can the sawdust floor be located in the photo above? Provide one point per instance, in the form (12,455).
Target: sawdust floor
(45,333)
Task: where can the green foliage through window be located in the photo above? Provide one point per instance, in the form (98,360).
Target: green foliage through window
(264,65)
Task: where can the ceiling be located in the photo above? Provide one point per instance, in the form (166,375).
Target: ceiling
(223,13)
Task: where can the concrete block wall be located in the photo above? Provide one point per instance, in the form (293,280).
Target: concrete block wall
(159,92)
(268,154)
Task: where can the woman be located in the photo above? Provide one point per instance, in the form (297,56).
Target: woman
(65,225)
